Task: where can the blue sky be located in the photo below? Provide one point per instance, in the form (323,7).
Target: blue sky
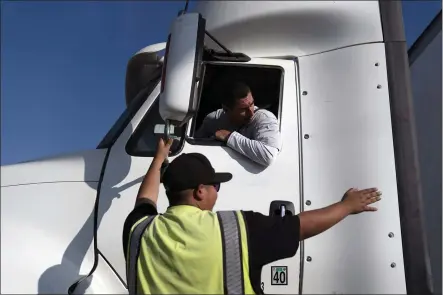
(63,67)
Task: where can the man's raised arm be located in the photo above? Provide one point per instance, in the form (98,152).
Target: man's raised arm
(150,186)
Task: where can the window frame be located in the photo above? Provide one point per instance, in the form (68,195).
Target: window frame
(191,123)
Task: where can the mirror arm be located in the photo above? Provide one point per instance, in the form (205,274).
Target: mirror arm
(218,43)
(167,131)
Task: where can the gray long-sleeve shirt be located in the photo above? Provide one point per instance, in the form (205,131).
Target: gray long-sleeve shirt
(259,140)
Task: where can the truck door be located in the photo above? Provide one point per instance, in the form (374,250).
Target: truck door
(253,187)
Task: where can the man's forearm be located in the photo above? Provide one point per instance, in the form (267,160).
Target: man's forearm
(150,186)
(317,221)
(253,149)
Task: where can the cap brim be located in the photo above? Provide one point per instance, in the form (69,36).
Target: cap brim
(222,177)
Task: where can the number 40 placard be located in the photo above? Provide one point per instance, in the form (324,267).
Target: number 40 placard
(279,275)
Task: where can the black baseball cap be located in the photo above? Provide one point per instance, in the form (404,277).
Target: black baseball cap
(188,171)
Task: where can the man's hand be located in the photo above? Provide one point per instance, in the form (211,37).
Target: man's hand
(354,201)
(222,135)
(163,149)
(151,182)
(358,201)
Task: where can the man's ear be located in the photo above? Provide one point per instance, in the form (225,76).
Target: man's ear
(199,192)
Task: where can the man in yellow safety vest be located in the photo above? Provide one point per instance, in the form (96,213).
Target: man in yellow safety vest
(191,250)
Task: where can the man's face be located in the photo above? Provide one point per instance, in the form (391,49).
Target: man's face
(243,110)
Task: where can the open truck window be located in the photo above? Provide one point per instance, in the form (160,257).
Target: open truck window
(265,82)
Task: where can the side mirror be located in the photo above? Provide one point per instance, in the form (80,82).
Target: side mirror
(181,69)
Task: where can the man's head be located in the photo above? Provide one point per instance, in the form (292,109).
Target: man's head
(239,104)
(190,180)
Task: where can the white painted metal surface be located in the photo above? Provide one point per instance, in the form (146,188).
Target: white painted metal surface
(46,240)
(350,144)
(46,223)
(252,187)
(81,166)
(152,49)
(426,78)
(281,28)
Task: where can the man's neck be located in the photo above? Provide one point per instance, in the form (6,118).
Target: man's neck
(183,204)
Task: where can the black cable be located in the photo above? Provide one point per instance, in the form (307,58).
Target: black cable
(72,288)
(183,11)
(186,6)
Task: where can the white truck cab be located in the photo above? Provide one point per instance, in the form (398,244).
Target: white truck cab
(335,75)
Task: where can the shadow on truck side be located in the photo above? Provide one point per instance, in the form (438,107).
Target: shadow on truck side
(58,278)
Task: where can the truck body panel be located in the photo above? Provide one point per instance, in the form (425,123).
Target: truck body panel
(75,167)
(298,27)
(350,144)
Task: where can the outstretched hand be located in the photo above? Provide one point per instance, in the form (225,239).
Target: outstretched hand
(163,148)
(358,201)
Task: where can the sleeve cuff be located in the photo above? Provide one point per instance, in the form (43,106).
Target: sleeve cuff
(145,201)
(231,139)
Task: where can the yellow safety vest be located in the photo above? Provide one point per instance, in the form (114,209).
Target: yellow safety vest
(189,251)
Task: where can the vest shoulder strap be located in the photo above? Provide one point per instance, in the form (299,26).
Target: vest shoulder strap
(134,251)
(233,276)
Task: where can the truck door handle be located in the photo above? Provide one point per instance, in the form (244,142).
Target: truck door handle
(281,208)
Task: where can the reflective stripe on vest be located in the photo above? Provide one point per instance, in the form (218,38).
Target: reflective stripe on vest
(233,281)
(232,258)
(134,250)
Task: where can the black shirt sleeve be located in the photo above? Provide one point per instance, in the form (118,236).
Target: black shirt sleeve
(142,208)
(270,238)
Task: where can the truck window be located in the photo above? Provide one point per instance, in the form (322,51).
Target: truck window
(265,83)
(143,142)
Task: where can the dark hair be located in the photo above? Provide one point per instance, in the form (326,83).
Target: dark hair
(235,92)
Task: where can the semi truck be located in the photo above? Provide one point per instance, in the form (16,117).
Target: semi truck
(336,76)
